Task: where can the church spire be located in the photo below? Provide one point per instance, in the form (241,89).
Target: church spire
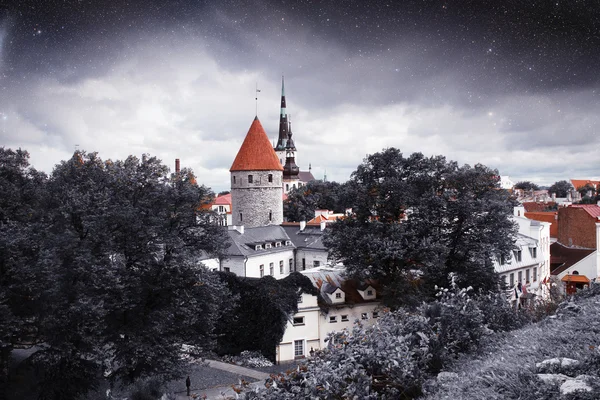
(283,122)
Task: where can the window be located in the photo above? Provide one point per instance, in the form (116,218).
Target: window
(277,244)
(250,179)
(369,293)
(241,217)
(234,179)
(533,252)
(534,274)
(518,255)
(375,314)
(520,274)
(262,270)
(287,187)
(332,320)
(270,178)
(271,269)
(300,299)
(316,263)
(298,348)
(221,209)
(227,269)
(258,247)
(505,279)
(527,275)
(512,279)
(344,318)
(281,272)
(298,321)
(270,215)
(291,264)
(288,242)
(364,316)
(267,245)
(338,295)
(303,263)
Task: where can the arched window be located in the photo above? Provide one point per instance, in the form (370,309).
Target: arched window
(270,178)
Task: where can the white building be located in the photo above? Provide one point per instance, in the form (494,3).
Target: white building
(339,304)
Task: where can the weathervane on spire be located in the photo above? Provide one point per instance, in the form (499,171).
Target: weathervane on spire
(256,98)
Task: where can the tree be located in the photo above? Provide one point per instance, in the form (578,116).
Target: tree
(526,185)
(119,286)
(417,219)
(260,312)
(21,193)
(561,188)
(315,195)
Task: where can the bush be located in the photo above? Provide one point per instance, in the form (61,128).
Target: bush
(147,389)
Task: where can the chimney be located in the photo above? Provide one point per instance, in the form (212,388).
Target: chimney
(302,225)
(323,224)
(177,169)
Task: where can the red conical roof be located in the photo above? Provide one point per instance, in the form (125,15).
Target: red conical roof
(256,153)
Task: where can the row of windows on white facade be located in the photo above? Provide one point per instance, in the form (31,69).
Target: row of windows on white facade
(510,278)
(272,268)
(518,255)
(299,321)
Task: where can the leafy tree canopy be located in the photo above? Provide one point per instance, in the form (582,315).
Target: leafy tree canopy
(258,318)
(526,185)
(417,219)
(113,280)
(315,195)
(561,188)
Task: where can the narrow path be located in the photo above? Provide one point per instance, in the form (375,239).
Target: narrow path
(225,392)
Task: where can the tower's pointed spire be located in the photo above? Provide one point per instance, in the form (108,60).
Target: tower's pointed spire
(283,121)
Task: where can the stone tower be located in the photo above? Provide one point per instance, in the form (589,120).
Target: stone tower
(256,181)
(283,128)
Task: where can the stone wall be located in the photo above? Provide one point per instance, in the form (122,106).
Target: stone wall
(256,203)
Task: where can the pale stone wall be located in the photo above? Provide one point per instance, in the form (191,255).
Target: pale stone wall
(258,200)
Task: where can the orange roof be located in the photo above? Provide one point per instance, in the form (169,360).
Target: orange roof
(256,153)
(577,183)
(546,216)
(575,278)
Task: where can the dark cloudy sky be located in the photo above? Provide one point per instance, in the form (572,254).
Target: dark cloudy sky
(512,84)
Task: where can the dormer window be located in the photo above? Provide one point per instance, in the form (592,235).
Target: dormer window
(250,179)
(267,245)
(258,247)
(338,295)
(518,255)
(288,242)
(277,244)
(369,293)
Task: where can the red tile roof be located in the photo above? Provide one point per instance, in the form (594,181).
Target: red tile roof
(577,183)
(256,153)
(592,209)
(548,216)
(223,200)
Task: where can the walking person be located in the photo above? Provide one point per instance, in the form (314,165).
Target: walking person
(187,384)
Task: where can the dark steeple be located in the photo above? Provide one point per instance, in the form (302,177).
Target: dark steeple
(290,169)
(283,122)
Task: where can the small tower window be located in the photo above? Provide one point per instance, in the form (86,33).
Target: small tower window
(234,179)
(241,217)
(270,215)
(270,178)
(250,179)
(287,187)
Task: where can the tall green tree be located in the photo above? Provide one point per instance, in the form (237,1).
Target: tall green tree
(561,188)
(417,219)
(315,195)
(21,194)
(119,286)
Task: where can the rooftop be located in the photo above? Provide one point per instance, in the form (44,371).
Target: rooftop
(563,257)
(256,153)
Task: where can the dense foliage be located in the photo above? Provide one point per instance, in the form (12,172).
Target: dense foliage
(526,185)
(258,316)
(561,188)
(315,195)
(99,269)
(392,359)
(417,219)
